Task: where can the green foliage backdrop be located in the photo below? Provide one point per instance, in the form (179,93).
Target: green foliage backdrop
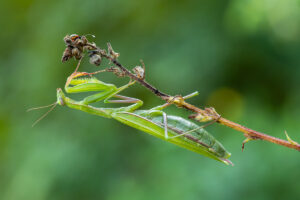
(242,56)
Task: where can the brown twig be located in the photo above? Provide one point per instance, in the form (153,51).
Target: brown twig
(201,115)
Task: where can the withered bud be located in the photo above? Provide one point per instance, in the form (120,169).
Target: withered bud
(78,42)
(89,46)
(201,118)
(119,73)
(84,40)
(67,54)
(139,72)
(75,40)
(212,112)
(113,54)
(68,40)
(95,59)
(76,53)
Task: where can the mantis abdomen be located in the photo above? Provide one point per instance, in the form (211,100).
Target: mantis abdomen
(199,141)
(199,135)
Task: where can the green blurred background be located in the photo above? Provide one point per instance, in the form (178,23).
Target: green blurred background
(242,56)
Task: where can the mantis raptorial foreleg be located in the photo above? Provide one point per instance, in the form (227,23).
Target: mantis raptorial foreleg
(76,85)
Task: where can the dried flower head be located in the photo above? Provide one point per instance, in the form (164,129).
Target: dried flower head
(76,45)
(95,58)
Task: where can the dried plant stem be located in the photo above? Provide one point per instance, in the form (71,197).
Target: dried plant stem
(257,135)
(249,133)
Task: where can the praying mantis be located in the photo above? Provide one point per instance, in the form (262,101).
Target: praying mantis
(155,121)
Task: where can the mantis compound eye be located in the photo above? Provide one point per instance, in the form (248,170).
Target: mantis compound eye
(60,97)
(61,101)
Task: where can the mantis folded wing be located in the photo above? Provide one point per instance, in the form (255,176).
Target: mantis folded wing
(173,129)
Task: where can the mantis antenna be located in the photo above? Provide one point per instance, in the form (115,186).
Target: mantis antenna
(44,115)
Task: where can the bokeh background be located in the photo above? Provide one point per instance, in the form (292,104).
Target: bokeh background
(242,57)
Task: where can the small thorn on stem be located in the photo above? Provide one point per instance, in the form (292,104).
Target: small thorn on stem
(248,138)
(289,139)
(143,64)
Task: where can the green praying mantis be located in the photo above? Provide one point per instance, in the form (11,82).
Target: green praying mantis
(155,121)
(174,129)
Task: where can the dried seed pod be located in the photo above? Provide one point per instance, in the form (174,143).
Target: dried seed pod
(78,42)
(139,72)
(119,73)
(76,53)
(67,54)
(89,46)
(95,59)
(84,40)
(68,40)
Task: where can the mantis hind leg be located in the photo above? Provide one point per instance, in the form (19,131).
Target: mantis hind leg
(124,99)
(154,113)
